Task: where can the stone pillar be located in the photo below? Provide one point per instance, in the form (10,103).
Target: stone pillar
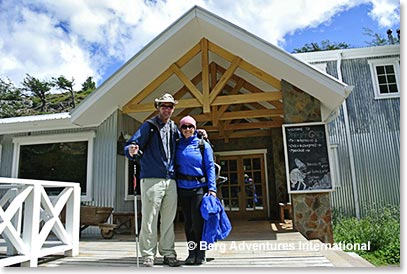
(311,211)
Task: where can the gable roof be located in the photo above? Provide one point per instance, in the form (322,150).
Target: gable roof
(160,55)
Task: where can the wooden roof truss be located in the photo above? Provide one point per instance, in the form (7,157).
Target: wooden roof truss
(224,103)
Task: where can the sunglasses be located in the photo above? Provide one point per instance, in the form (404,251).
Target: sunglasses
(167,106)
(187,126)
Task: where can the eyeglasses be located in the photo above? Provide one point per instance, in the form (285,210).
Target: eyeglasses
(167,106)
(187,126)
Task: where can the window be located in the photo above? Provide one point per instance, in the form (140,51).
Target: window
(386,77)
(66,158)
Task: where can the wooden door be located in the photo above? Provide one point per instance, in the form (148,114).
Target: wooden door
(244,193)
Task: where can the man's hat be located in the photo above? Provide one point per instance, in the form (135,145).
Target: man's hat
(164,98)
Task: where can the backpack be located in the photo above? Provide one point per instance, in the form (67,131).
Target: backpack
(219,179)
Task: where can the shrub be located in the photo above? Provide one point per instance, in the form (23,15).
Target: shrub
(380,227)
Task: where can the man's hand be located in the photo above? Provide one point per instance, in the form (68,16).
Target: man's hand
(133,149)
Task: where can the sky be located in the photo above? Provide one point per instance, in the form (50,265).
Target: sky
(82,38)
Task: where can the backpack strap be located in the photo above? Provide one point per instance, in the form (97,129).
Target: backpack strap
(152,125)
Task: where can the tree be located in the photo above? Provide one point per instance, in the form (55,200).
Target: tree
(38,88)
(89,84)
(379,40)
(11,100)
(325,45)
(64,84)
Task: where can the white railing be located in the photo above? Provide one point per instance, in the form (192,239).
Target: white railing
(30,222)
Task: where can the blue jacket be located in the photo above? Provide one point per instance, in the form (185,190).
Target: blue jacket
(216,222)
(154,163)
(188,161)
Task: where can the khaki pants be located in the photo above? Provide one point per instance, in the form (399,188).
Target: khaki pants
(158,196)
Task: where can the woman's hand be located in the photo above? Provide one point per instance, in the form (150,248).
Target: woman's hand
(213,193)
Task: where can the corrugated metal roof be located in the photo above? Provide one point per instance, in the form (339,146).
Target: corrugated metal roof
(35,118)
(36,123)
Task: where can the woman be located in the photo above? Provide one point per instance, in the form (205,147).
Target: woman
(195,177)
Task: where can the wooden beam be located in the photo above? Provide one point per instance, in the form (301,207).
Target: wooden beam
(184,79)
(241,134)
(221,51)
(189,55)
(245,114)
(246,126)
(205,76)
(255,71)
(247,98)
(223,108)
(225,78)
(250,87)
(146,107)
(260,74)
(147,90)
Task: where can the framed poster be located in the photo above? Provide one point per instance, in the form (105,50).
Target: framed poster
(307,158)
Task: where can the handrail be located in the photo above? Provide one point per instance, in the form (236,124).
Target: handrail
(28,217)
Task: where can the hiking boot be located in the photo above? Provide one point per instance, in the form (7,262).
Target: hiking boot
(171,261)
(200,257)
(148,262)
(191,258)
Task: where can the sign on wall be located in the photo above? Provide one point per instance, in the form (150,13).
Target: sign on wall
(307,158)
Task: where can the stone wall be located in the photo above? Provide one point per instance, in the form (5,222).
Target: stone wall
(311,211)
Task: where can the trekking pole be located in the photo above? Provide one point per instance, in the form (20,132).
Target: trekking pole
(136,211)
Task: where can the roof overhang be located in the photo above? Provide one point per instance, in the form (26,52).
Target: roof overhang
(36,123)
(183,35)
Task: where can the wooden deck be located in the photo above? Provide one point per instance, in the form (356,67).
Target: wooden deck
(251,244)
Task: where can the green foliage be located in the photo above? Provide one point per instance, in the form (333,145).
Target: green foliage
(64,84)
(35,96)
(88,85)
(10,100)
(325,45)
(380,228)
(378,39)
(37,88)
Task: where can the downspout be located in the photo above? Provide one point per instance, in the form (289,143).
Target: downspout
(349,141)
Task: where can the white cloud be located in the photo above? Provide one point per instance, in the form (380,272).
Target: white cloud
(77,38)
(386,12)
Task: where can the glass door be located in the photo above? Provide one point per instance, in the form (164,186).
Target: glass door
(244,193)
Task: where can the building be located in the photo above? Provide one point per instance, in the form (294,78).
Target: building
(240,88)
(365,137)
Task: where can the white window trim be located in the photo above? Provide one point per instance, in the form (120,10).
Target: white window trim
(58,138)
(395,62)
(321,66)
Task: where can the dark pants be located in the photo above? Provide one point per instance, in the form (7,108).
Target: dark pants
(190,201)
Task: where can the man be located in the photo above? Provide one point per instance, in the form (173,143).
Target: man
(156,138)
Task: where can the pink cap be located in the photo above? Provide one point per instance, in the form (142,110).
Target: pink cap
(187,120)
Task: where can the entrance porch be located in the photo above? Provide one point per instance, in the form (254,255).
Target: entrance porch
(250,244)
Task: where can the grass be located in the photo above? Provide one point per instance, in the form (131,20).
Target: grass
(380,227)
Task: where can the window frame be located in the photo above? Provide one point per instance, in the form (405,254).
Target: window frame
(395,62)
(58,138)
